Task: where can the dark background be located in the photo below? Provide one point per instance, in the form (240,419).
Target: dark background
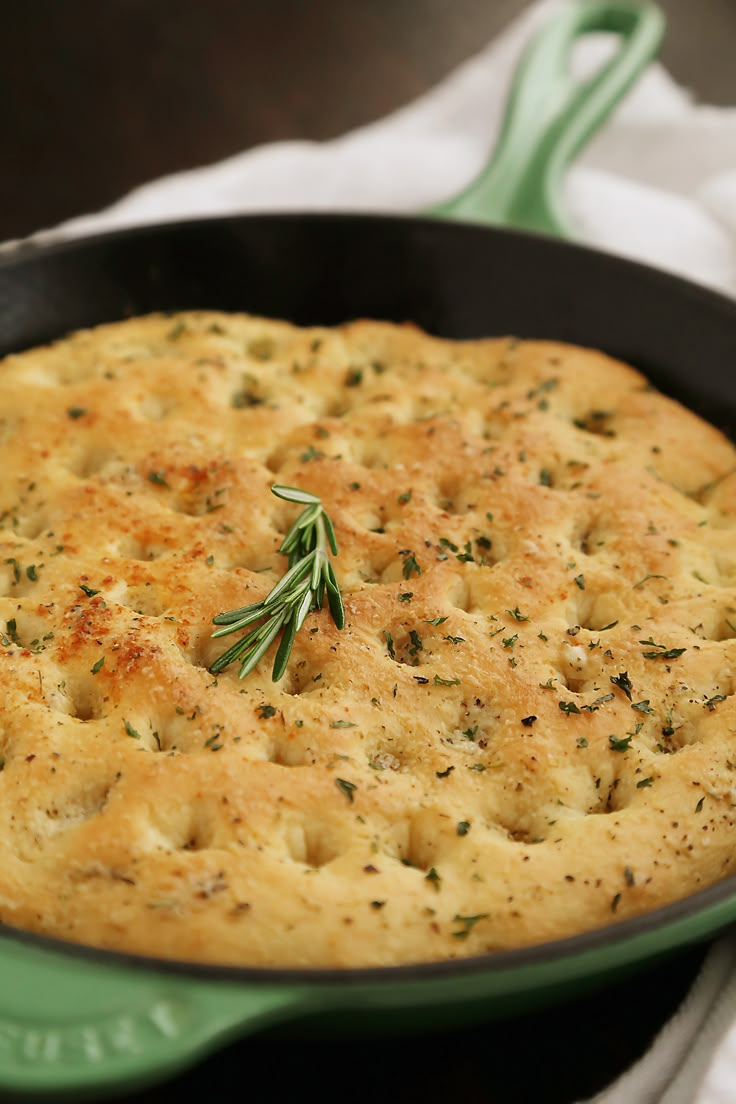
(97,96)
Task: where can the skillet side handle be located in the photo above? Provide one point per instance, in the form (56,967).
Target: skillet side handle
(550,116)
(80,1028)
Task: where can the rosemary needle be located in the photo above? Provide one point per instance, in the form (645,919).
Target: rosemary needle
(310,575)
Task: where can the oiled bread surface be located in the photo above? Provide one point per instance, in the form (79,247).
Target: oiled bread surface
(526,728)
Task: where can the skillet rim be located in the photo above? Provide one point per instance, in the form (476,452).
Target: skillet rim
(33,250)
(550,953)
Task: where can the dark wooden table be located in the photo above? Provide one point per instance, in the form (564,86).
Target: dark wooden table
(97,98)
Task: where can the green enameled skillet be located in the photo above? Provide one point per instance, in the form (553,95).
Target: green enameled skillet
(85,1022)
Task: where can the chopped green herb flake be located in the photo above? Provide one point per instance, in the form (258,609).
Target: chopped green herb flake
(544,386)
(410,566)
(468,923)
(646,578)
(623,682)
(668,653)
(467,555)
(568,707)
(438,681)
(348,788)
(616,744)
(433,877)
(98,665)
(311,454)
(244,398)
(595,705)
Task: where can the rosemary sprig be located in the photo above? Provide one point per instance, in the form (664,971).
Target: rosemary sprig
(302,589)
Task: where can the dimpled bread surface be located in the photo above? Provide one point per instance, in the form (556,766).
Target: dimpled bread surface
(526,728)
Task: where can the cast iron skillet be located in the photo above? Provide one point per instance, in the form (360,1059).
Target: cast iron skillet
(82,1021)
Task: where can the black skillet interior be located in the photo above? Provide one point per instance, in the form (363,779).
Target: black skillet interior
(453,280)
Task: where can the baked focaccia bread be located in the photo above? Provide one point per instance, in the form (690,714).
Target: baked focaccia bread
(526,727)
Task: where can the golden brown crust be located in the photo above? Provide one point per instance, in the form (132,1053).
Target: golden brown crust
(533,696)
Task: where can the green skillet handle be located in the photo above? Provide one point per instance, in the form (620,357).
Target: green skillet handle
(80,1027)
(550,116)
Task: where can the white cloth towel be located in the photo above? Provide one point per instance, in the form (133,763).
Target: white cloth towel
(658,184)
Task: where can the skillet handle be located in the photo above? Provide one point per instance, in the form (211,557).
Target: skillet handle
(75,1026)
(550,116)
